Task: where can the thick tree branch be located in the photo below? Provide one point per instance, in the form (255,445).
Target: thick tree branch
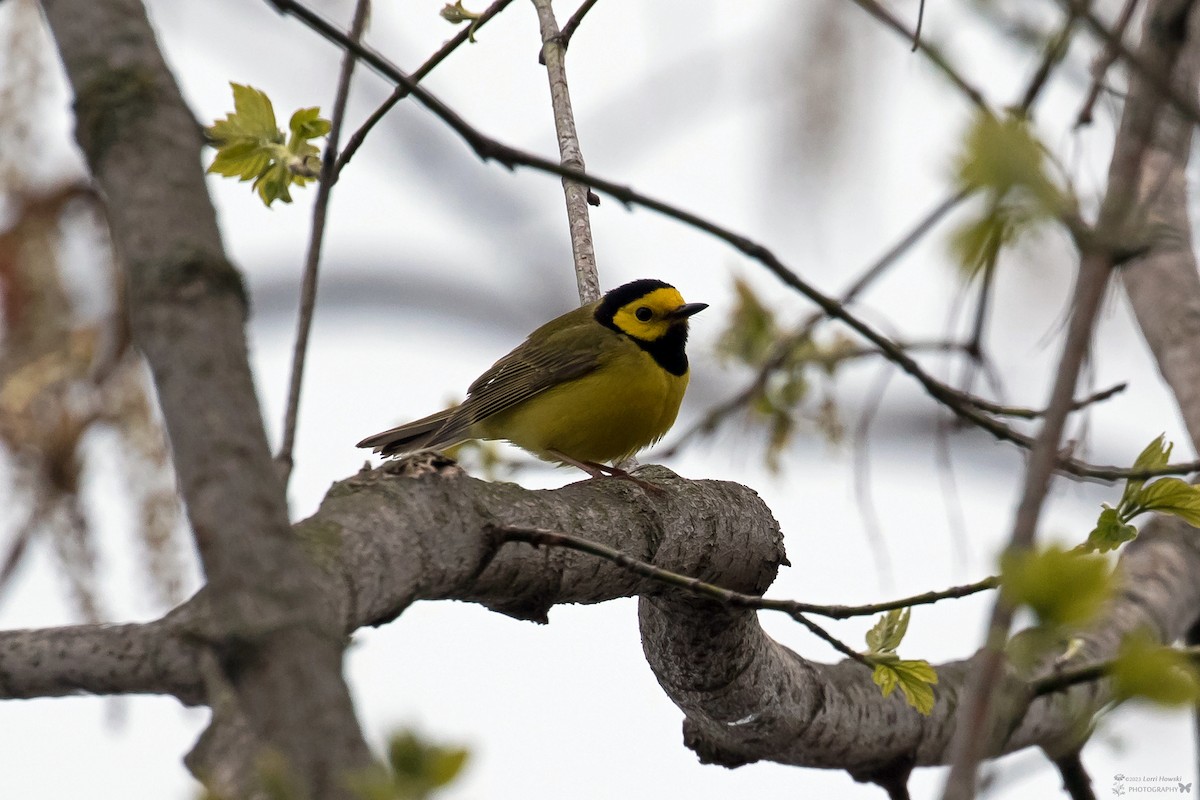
(1163,285)
(279,645)
(384,542)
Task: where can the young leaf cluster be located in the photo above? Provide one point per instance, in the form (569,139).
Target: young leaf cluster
(1064,588)
(1003,160)
(251,147)
(915,678)
(1164,495)
(1144,668)
(788,363)
(456,14)
(419,769)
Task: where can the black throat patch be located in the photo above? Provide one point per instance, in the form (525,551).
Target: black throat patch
(668,351)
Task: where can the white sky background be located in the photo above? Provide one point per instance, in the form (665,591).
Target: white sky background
(436,264)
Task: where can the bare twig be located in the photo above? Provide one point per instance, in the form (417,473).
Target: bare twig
(1029,413)
(568,30)
(1065,678)
(308,287)
(1056,49)
(920,24)
(576,193)
(864,497)
(545,538)
(1103,62)
(979,325)
(876,10)
(401,91)
(1183,104)
(783,349)
(1076,781)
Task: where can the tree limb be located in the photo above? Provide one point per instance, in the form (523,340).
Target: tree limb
(278,643)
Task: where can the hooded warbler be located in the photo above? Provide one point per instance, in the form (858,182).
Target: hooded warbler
(597,384)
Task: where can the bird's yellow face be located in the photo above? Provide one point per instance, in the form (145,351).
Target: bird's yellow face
(650,316)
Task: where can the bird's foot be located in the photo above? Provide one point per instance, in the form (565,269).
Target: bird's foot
(597,470)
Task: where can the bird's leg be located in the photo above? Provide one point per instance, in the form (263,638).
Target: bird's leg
(604,470)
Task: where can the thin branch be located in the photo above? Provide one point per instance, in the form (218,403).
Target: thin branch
(922,599)
(568,30)
(1029,413)
(863,495)
(1066,678)
(1184,105)
(1103,62)
(1076,781)
(1056,49)
(577,194)
(934,55)
(543,538)
(1062,679)
(308,287)
(979,326)
(401,91)
(920,24)
(783,349)
(539,537)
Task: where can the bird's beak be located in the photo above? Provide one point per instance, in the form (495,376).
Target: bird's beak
(686,310)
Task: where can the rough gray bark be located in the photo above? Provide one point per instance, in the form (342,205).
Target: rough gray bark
(278,646)
(1163,285)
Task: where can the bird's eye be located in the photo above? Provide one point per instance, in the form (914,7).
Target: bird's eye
(644,314)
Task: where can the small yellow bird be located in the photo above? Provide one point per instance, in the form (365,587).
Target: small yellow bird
(597,384)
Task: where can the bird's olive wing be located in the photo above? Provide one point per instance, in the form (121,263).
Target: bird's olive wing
(537,364)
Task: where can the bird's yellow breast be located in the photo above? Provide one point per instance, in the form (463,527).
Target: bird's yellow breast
(628,402)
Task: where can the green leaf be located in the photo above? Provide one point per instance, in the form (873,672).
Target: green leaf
(1171,496)
(250,146)
(1063,587)
(454,12)
(420,767)
(1110,532)
(888,632)
(307,123)
(1156,455)
(1002,155)
(252,120)
(445,764)
(915,679)
(978,242)
(752,331)
(1143,668)
(1003,160)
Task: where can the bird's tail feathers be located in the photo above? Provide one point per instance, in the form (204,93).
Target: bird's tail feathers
(424,434)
